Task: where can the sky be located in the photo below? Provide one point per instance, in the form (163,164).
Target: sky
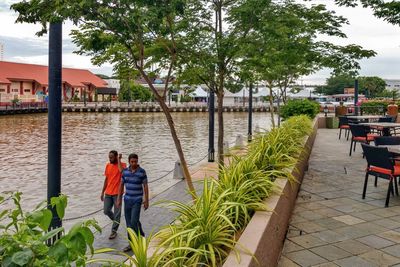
(22,45)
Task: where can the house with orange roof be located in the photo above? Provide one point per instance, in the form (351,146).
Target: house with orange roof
(29,82)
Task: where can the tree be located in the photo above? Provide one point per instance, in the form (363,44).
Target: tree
(210,53)
(131,91)
(102,76)
(371,86)
(336,84)
(132,34)
(282,44)
(387,10)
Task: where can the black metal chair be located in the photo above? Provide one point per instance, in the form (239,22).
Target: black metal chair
(380,164)
(387,140)
(386,119)
(361,134)
(344,124)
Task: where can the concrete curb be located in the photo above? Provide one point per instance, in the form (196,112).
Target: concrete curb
(262,240)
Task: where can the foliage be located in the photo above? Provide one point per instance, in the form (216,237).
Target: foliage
(131,91)
(336,84)
(15,101)
(300,107)
(226,205)
(374,107)
(371,86)
(24,236)
(102,76)
(394,94)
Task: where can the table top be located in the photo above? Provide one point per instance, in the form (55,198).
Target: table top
(393,148)
(382,124)
(361,117)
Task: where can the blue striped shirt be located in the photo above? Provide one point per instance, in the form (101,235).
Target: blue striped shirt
(133,182)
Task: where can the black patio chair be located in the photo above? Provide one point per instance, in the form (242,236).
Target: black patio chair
(344,124)
(380,164)
(387,140)
(360,134)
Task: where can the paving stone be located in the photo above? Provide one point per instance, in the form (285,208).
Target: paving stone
(285,262)
(290,247)
(391,235)
(380,258)
(330,252)
(387,223)
(355,261)
(311,215)
(353,246)
(328,264)
(366,215)
(330,236)
(305,258)
(307,241)
(375,241)
(348,219)
(393,250)
(330,223)
(328,212)
(384,212)
(308,226)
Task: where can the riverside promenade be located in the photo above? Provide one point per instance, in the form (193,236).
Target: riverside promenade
(331,224)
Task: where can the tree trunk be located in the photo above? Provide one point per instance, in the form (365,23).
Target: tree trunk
(271,105)
(220,100)
(177,142)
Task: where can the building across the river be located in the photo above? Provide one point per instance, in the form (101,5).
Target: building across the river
(29,83)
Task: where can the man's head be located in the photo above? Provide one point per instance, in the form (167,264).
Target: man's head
(133,160)
(113,156)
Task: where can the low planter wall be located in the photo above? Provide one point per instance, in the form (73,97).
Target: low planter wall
(265,234)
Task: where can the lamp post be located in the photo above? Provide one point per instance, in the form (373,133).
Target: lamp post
(250,130)
(54,119)
(355,97)
(211,112)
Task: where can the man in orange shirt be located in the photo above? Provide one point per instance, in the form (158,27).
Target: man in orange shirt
(109,194)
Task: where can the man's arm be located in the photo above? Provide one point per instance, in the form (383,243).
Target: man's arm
(120,168)
(120,193)
(104,185)
(146,196)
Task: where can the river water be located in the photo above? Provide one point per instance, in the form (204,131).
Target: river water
(87,139)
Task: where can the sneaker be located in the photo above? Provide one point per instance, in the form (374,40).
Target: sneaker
(127,249)
(113,235)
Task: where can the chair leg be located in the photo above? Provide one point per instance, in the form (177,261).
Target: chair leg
(390,189)
(365,185)
(396,188)
(351,147)
(340,132)
(354,146)
(348,134)
(376,181)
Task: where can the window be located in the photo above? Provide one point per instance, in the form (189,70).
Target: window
(27,90)
(15,90)
(2,90)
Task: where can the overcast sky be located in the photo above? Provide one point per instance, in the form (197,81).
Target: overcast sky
(21,44)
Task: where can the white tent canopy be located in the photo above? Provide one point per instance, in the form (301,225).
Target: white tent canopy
(199,92)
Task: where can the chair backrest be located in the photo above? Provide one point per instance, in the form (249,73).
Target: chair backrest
(358,130)
(385,119)
(343,120)
(377,156)
(387,140)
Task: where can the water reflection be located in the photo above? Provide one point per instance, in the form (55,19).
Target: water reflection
(88,137)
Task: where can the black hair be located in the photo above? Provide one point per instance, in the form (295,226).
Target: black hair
(114,152)
(133,156)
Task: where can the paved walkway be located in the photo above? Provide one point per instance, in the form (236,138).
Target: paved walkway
(331,224)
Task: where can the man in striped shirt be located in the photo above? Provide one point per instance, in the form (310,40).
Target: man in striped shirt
(134,179)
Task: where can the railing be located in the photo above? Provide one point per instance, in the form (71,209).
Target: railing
(22,106)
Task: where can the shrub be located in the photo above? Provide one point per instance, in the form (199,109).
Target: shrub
(24,235)
(300,107)
(374,107)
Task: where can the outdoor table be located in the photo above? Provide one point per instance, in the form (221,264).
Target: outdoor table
(393,148)
(365,117)
(386,126)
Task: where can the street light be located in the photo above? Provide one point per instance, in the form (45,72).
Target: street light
(326,110)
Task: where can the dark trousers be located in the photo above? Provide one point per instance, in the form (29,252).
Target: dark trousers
(109,203)
(132,216)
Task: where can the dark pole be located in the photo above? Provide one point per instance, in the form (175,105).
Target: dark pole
(355,97)
(84,96)
(54,119)
(250,127)
(211,112)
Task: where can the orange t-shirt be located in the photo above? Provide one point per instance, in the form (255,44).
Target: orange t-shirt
(113,178)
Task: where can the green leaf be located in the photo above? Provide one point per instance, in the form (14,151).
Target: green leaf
(52,233)
(89,237)
(59,252)
(77,242)
(22,258)
(47,216)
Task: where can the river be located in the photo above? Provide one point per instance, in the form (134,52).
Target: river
(87,139)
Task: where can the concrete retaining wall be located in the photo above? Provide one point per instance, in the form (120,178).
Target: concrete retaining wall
(264,236)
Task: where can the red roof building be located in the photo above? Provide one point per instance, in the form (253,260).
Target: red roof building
(29,82)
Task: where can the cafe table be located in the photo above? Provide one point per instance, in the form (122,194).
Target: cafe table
(385,126)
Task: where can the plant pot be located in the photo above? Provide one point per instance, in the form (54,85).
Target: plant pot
(332,123)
